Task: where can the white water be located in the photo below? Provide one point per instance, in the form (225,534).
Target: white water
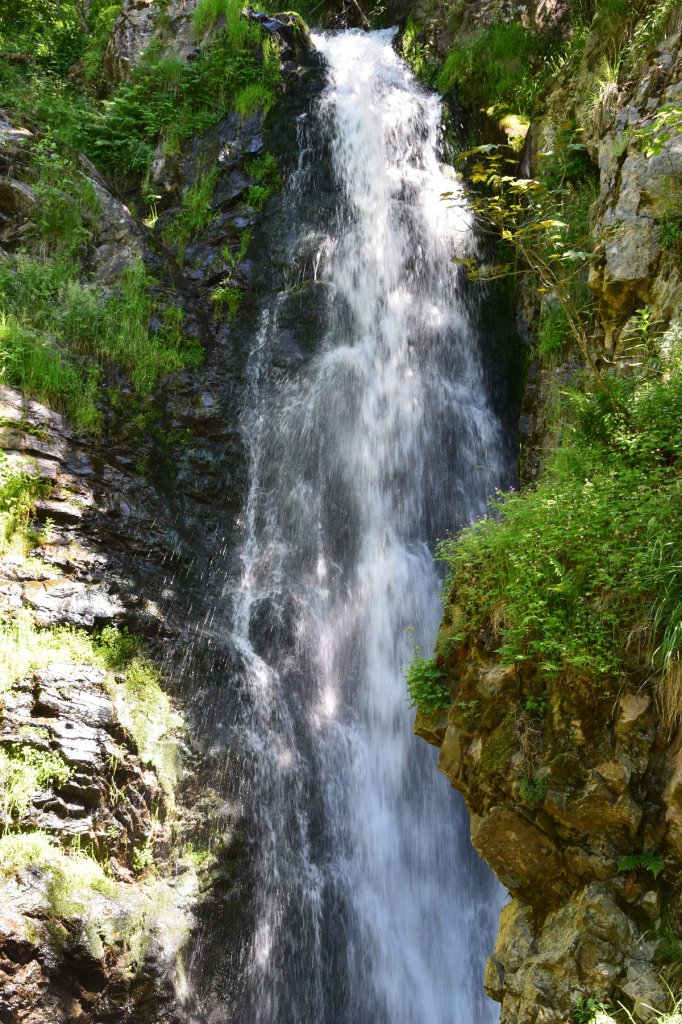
(370,906)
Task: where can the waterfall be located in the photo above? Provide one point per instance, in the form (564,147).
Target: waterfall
(370,906)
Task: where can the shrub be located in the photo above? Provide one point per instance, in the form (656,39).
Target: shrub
(427,685)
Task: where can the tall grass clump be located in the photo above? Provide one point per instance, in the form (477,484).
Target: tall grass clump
(19,491)
(33,363)
(57,332)
(499,65)
(580,578)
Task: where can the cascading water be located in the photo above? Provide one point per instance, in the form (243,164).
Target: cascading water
(370,907)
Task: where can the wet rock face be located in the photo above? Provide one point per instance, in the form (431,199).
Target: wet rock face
(66,710)
(127,534)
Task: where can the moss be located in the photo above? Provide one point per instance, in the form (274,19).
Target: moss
(533,790)
(500,746)
(146,711)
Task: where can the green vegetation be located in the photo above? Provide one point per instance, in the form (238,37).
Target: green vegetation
(417,54)
(533,790)
(427,685)
(496,65)
(143,707)
(24,648)
(646,861)
(265,171)
(146,711)
(195,214)
(25,771)
(165,99)
(536,705)
(590,1010)
(580,577)
(19,491)
(542,228)
(56,332)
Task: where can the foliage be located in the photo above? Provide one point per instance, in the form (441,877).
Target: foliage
(25,771)
(537,705)
(416,53)
(496,65)
(580,576)
(543,231)
(43,302)
(646,861)
(165,99)
(146,711)
(533,790)
(228,299)
(18,493)
(67,207)
(32,362)
(57,33)
(665,124)
(427,685)
(126,339)
(590,1010)
(195,214)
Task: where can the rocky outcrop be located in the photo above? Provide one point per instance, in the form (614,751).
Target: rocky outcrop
(560,797)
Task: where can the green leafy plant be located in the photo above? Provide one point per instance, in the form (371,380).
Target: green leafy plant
(579,577)
(19,491)
(590,1010)
(542,231)
(427,685)
(24,772)
(536,705)
(645,861)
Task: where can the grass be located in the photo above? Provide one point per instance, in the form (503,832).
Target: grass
(57,332)
(580,578)
(25,771)
(498,65)
(143,706)
(195,214)
(19,491)
(146,711)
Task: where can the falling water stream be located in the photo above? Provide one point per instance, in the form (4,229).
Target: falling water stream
(370,907)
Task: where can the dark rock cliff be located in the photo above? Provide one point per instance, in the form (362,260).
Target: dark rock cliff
(126,840)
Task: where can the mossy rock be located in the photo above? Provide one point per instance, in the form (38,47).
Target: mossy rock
(500,747)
